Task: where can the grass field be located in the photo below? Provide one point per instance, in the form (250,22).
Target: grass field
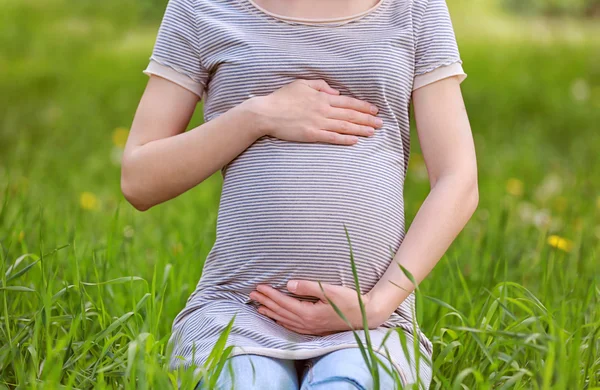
(89,286)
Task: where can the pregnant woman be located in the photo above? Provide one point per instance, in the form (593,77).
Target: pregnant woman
(306,115)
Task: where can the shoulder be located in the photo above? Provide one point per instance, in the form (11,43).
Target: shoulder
(422,7)
(194,7)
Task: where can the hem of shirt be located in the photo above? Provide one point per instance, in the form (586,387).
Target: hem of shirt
(438,72)
(175,75)
(306,354)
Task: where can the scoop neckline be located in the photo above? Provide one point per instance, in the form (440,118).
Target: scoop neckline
(314,21)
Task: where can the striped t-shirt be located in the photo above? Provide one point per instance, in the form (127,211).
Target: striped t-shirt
(284,204)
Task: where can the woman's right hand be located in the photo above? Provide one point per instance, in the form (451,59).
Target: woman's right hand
(312,111)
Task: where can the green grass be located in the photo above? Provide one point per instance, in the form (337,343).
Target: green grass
(88,294)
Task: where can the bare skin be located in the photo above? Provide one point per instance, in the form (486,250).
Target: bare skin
(316,9)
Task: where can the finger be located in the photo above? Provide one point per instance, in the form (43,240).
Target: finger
(312,288)
(295,329)
(320,85)
(354,116)
(332,137)
(345,127)
(288,303)
(275,316)
(274,306)
(342,101)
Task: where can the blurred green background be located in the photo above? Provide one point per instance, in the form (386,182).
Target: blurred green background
(513,303)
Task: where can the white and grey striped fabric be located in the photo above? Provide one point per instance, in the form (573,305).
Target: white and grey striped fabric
(284,204)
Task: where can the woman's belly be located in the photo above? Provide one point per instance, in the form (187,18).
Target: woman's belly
(284,209)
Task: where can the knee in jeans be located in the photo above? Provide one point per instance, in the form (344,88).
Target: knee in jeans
(254,372)
(346,369)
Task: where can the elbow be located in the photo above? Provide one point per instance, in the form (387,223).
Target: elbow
(132,195)
(131,192)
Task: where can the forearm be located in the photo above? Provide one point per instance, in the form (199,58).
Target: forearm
(444,213)
(165,168)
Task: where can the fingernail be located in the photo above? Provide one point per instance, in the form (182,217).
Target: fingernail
(379,121)
(292,285)
(374,109)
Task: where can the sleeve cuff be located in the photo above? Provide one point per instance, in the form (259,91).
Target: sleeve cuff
(171,74)
(441,72)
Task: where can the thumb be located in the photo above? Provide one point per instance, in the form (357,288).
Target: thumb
(321,85)
(310,288)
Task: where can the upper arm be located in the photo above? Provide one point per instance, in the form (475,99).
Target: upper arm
(177,78)
(442,123)
(164,110)
(443,130)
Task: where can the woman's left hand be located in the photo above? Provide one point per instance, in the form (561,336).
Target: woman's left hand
(317,318)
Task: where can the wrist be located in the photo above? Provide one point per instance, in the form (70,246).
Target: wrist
(384,300)
(376,309)
(256,111)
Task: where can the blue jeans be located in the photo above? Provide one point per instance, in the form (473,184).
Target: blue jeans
(337,370)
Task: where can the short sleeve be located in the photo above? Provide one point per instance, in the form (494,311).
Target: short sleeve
(176,52)
(436,50)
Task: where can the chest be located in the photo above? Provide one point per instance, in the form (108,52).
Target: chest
(372,61)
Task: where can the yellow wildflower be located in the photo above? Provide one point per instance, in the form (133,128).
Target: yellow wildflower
(119,136)
(560,243)
(88,201)
(514,186)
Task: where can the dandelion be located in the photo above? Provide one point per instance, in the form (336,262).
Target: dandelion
(128,231)
(119,136)
(560,243)
(542,218)
(550,187)
(526,211)
(514,186)
(88,201)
